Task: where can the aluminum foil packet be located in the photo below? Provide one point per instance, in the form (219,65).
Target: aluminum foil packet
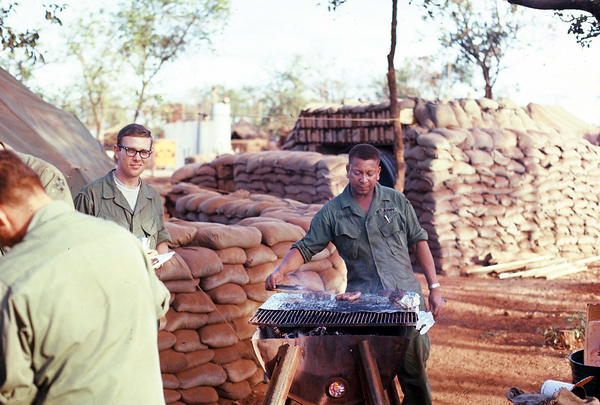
(410,301)
(424,322)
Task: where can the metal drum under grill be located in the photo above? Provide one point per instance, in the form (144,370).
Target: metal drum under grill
(320,350)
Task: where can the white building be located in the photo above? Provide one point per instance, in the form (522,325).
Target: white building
(207,138)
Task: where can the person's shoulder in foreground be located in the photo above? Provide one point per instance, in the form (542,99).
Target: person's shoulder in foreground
(52,179)
(80,303)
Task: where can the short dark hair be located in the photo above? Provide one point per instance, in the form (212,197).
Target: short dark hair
(134,130)
(17,180)
(364,151)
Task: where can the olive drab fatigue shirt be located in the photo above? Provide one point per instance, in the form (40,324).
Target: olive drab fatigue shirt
(78,316)
(374,245)
(102,199)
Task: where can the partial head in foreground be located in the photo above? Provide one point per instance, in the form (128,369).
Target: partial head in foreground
(21,195)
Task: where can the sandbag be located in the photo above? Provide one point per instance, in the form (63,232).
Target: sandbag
(239,370)
(258,292)
(184,320)
(442,114)
(202,262)
(304,221)
(209,374)
(234,391)
(249,307)
(174,269)
(210,205)
(221,237)
(196,302)
(332,278)
(229,354)
(282,248)
(171,396)
(184,173)
(258,274)
(169,381)
(166,340)
(182,286)
(228,293)
(198,357)
(433,140)
(232,255)
(218,335)
(199,396)
(180,234)
(244,329)
(187,341)
(172,362)
(275,232)
(224,313)
(309,279)
(232,273)
(259,255)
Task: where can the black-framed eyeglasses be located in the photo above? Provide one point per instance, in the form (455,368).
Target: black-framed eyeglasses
(131,152)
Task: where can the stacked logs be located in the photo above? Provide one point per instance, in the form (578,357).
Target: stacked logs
(216,279)
(308,177)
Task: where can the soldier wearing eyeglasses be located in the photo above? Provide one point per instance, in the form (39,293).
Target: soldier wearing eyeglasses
(123,197)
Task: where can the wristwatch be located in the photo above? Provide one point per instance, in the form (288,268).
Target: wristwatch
(434,285)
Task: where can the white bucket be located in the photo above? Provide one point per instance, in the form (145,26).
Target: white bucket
(550,387)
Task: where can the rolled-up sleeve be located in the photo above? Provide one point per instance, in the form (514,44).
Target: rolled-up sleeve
(414,232)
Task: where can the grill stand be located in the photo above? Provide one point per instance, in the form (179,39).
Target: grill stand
(283,375)
(287,360)
(370,379)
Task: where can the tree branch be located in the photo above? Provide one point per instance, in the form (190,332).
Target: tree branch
(590,6)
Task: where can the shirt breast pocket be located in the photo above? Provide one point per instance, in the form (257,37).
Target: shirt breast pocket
(392,231)
(347,237)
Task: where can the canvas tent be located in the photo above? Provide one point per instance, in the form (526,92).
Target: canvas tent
(32,126)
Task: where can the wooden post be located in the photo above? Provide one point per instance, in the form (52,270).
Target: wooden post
(288,358)
(369,375)
(394,392)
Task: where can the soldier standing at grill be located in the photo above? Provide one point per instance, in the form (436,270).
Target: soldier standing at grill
(373,227)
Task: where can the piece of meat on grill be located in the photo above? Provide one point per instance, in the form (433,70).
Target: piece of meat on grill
(316,296)
(349,296)
(393,295)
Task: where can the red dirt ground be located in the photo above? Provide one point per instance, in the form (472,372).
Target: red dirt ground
(487,339)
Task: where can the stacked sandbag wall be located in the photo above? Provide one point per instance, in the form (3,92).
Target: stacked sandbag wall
(310,178)
(216,279)
(499,184)
(217,174)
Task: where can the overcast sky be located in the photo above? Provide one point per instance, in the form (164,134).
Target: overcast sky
(354,42)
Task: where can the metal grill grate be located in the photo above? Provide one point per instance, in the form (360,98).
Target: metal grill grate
(301,318)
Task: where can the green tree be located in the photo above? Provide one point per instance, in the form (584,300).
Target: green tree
(393,92)
(285,96)
(154,32)
(19,51)
(421,77)
(479,32)
(92,43)
(585,27)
